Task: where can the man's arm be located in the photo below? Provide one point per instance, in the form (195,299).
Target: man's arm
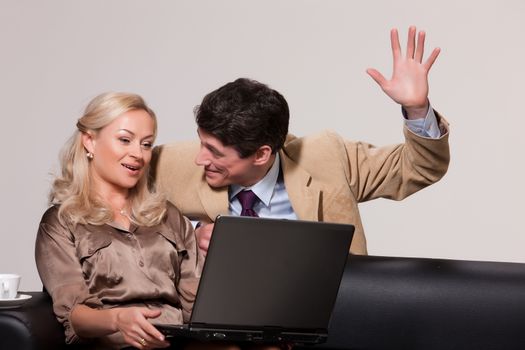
(397,171)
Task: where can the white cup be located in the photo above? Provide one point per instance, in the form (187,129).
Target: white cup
(9,285)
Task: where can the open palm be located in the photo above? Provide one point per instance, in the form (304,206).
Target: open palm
(409,83)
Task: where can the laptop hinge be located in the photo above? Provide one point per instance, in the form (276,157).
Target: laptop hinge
(272,333)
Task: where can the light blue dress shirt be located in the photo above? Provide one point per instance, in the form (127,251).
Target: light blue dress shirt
(425,127)
(273,198)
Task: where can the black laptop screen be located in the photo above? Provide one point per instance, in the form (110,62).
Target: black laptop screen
(272,273)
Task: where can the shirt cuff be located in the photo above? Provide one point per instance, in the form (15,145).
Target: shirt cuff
(425,127)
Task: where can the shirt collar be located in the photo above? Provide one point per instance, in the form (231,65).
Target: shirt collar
(264,188)
(132,227)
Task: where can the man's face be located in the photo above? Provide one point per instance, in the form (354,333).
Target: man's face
(222,164)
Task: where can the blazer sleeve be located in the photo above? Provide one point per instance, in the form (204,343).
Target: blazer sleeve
(397,171)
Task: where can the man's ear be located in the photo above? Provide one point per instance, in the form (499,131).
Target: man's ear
(262,155)
(89,142)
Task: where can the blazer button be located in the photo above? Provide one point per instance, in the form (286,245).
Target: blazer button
(141,263)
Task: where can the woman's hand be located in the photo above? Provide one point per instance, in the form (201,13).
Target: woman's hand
(133,324)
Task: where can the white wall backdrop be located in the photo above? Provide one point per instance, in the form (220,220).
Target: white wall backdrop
(56,55)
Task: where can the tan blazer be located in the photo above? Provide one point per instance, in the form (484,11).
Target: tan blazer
(325,176)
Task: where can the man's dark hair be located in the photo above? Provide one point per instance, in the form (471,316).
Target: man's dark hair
(246,115)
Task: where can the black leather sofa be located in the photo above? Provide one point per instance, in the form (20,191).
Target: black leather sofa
(383,303)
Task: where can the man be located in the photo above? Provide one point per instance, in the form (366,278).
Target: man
(246,155)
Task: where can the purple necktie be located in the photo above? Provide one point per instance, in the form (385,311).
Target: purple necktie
(247,199)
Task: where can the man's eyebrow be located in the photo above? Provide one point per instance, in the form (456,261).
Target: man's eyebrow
(213,149)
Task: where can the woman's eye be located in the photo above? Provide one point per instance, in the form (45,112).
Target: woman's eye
(147,145)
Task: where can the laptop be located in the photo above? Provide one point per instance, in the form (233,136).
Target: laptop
(268,280)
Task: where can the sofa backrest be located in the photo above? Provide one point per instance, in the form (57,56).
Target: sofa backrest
(415,303)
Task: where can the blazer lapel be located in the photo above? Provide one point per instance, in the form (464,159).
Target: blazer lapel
(214,201)
(303,194)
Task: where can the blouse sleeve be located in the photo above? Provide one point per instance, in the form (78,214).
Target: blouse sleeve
(191,262)
(60,270)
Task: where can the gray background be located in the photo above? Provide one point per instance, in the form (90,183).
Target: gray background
(57,55)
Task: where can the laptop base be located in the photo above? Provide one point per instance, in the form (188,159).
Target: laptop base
(269,335)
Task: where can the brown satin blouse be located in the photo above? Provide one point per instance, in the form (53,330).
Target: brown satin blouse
(106,266)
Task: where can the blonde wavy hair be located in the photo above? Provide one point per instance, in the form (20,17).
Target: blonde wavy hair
(72,189)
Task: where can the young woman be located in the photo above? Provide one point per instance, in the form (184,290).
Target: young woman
(115,257)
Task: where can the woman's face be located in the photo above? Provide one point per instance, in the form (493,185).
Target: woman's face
(121,152)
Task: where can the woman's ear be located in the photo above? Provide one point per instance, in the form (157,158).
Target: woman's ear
(88,141)
(262,155)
